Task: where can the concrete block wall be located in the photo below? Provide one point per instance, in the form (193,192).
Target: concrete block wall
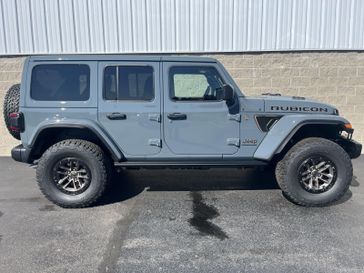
(10,73)
(332,77)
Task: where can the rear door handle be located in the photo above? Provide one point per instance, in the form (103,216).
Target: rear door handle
(116,116)
(177,116)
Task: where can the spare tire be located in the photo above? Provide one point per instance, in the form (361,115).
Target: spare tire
(11,105)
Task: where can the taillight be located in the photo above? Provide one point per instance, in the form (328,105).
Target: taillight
(16,122)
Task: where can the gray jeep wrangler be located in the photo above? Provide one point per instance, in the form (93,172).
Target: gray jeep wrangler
(80,116)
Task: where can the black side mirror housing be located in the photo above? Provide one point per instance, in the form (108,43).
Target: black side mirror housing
(228,94)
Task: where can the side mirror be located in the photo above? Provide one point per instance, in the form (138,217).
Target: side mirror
(228,94)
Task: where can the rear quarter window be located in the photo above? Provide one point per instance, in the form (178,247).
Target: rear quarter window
(60,82)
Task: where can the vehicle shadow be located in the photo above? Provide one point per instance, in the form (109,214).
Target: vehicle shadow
(129,183)
(354,183)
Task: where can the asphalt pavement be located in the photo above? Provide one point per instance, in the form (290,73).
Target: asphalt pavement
(221,220)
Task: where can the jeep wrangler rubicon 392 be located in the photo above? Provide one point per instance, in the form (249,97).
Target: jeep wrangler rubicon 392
(80,116)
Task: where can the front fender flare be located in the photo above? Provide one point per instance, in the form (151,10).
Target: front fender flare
(81,124)
(285,128)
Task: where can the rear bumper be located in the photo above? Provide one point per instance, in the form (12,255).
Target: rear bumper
(21,154)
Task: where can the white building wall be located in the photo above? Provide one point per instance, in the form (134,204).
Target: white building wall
(163,26)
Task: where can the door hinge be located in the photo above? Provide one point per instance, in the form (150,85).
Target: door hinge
(236,117)
(155,142)
(155,117)
(233,142)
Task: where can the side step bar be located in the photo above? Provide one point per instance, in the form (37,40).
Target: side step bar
(190,164)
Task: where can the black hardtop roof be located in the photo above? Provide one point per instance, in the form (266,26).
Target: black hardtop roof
(121,57)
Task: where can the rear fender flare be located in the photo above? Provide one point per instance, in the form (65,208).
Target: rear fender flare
(115,152)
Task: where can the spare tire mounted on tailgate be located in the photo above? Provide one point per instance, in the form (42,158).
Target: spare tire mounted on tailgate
(11,105)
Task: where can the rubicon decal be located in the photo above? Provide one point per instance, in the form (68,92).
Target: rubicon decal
(298,109)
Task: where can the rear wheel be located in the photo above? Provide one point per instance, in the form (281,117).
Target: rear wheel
(314,172)
(73,173)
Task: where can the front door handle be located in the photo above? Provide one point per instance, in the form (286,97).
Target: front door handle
(116,116)
(177,116)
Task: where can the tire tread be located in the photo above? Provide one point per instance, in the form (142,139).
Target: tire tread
(281,168)
(79,146)
(11,105)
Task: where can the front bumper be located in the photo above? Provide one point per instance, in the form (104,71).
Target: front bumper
(21,154)
(352,147)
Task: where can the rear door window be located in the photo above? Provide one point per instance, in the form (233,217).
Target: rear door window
(129,83)
(60,82)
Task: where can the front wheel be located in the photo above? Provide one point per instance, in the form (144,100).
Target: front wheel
(73,173)
(314,172)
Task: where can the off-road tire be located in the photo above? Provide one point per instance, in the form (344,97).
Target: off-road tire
(287,172)
(11,105)
(98,164)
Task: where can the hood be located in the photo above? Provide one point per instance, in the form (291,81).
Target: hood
(285,104)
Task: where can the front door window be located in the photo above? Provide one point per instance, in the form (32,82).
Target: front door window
(195,83)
